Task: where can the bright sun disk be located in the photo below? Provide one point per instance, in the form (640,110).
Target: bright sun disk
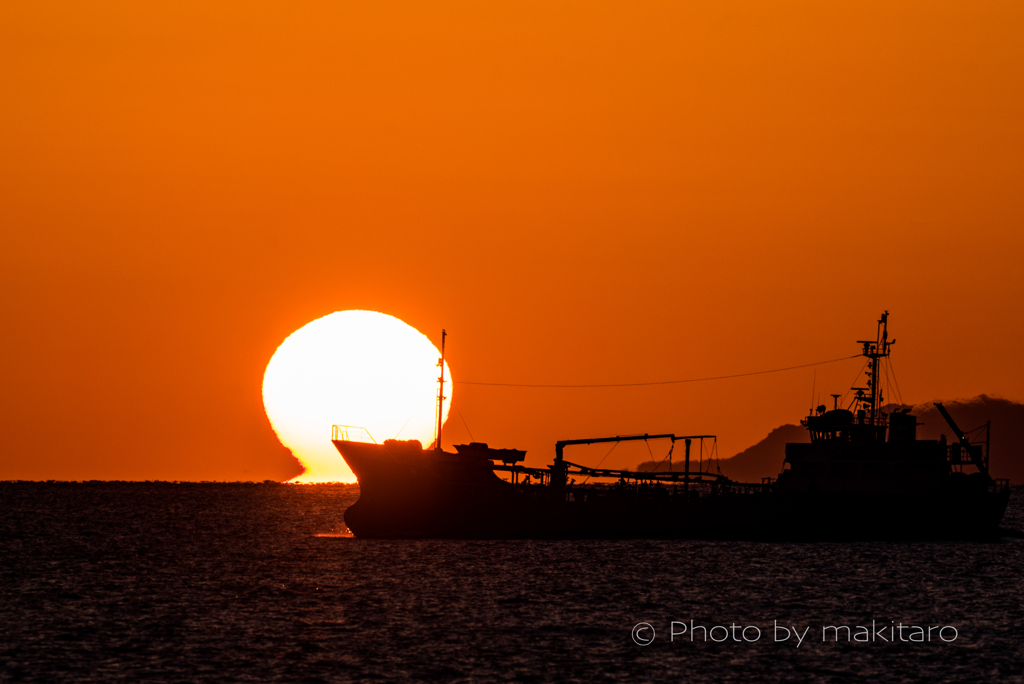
(360,368)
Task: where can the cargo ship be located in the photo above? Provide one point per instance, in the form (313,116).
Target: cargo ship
(864,475)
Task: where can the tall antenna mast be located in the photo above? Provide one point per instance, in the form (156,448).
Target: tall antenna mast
(440,394)
(876,349)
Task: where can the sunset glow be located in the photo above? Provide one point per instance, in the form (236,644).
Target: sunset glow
(626,192)
(357,368)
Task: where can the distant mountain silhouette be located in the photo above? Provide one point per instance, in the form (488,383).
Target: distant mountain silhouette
(679,466)
(764,459)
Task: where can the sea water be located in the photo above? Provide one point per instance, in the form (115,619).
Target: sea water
(201,582)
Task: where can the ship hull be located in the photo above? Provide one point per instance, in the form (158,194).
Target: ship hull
(420,494)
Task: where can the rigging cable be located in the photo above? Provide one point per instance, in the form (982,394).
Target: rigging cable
(466,424)
(814,385)
(411,417)
(602,460)
(667,456)
(881,396)
(660,382)
(861,371)
(895,381)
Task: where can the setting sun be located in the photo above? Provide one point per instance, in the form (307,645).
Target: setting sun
(358,368)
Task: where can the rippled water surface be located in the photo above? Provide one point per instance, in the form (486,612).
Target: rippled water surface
(239,582)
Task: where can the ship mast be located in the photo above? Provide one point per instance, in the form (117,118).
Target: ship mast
(440,395)
(875,349)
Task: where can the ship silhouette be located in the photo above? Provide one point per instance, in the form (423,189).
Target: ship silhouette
(864,475)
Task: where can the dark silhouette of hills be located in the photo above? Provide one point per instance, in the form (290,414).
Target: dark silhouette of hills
(764,459)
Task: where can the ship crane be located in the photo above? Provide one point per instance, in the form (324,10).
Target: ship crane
(560,467)
(972,450)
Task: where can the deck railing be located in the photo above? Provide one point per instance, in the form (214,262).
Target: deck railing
(350,433)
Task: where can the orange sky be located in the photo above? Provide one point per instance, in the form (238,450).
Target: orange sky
(578,192)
